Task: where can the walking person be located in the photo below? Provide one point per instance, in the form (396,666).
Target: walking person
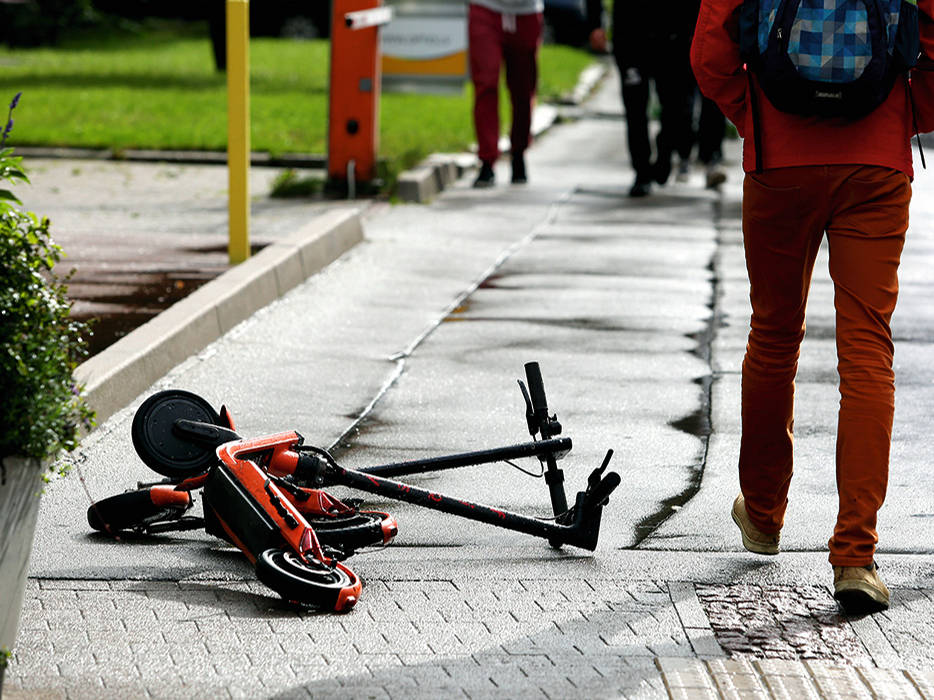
(651,44)
(504,33)
(711,128)
(848,178)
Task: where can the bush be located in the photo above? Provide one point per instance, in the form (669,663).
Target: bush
(42,411)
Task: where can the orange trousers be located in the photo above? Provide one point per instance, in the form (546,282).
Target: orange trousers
(786,211)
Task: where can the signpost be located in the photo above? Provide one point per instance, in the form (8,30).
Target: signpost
(425,47)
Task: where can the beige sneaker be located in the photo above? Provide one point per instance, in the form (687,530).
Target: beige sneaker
(859,589)
(753,539)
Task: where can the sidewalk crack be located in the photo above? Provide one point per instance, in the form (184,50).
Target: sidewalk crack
(698,423)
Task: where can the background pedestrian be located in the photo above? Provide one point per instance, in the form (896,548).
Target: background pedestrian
(651,45)
(504,33)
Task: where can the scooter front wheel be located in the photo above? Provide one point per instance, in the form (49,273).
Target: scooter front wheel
(308,581)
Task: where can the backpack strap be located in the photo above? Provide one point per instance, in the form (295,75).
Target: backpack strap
(756,124)
(914,120)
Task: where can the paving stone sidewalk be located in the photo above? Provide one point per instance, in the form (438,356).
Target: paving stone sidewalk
(466,638)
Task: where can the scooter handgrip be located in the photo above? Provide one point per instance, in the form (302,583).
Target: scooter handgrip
(536,388)
(601,492)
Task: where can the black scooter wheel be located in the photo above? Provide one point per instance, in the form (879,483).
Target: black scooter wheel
(125,511)
(157,444)
(305,582)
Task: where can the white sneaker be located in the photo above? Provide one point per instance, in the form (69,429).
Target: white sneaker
(715,176)
(684,172)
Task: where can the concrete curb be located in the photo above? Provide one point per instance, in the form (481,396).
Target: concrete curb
(127,368)
(307,161)
(432,176)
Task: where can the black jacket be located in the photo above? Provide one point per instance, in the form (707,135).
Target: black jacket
(648,32)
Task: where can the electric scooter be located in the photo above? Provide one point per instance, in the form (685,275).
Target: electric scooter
(266,495)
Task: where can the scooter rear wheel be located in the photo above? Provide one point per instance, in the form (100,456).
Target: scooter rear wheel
(157,444)
(307,582)
(128,511)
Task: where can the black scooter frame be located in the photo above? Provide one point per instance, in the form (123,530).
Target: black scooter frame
(578,525)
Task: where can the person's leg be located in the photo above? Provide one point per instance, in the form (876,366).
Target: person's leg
(710,130)
(674,83)
(784,212)
(485,31)
(866,236)
(636,104)
(521,57)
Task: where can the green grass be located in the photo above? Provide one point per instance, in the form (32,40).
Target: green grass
(158,89)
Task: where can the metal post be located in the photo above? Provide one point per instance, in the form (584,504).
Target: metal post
(353,110)
(238,128)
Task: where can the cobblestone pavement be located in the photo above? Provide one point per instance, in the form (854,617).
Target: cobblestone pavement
(781,622)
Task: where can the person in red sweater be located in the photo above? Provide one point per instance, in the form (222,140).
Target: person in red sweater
(848,179)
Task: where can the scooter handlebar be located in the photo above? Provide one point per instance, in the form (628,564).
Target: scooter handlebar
(533,374)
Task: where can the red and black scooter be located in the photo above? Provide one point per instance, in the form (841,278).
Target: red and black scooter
(265,495)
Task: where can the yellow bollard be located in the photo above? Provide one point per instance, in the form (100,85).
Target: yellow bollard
(238,128)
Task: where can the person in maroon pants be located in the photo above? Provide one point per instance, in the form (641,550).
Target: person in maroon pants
(504,32)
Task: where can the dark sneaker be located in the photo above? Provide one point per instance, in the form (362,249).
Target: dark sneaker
(684,171)
(486,178)
(640,188)
(859,589)
(754,539)
(519,176)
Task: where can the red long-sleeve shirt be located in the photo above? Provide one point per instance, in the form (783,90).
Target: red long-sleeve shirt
(880,138)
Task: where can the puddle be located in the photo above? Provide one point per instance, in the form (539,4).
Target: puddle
(115,304)
(111,316)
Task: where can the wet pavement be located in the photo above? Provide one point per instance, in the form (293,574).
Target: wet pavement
(140,235)
(409,346)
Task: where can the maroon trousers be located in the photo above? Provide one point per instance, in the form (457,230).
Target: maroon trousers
(497,39)
(786,211)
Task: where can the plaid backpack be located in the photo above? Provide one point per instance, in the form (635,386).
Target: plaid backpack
(829,57)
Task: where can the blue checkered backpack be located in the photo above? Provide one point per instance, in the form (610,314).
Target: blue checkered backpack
(830,58)
(833,58)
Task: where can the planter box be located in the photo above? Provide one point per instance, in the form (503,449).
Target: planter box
(21,486)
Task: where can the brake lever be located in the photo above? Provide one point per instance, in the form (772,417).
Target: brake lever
(594,479)
(529,411)
(599,487)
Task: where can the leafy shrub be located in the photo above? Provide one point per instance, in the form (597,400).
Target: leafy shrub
(41,408)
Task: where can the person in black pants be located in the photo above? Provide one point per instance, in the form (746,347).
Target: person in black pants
(652,42)
(711,128)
